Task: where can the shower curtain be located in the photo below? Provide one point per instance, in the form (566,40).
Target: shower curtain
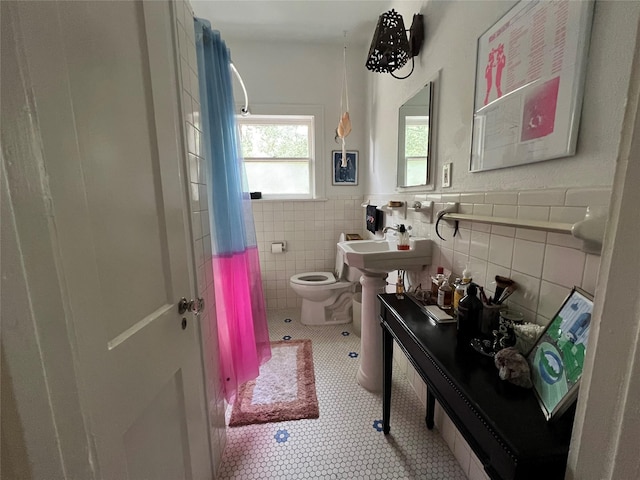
(243,335)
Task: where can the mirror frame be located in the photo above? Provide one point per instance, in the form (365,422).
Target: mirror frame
(400,164)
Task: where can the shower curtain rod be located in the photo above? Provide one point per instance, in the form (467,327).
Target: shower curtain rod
(244,111)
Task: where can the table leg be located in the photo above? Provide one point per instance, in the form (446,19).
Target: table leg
(387,355)
(431,406)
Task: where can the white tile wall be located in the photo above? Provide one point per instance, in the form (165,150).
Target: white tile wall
(310,230)
(196,169)
(544,265)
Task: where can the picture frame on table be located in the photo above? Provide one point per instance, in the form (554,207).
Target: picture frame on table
(556,360)
(347,174)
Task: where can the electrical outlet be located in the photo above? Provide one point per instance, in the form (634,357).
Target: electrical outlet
(446,175)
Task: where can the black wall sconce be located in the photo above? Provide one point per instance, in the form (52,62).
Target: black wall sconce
(390,49)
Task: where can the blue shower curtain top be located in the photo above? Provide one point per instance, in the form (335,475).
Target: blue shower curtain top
(229,202)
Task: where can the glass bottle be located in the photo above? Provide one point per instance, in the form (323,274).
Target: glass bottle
(436,281)
(469,314)
(458,292)
(445,295)
(403,238)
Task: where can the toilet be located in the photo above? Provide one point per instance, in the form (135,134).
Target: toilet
(326,296)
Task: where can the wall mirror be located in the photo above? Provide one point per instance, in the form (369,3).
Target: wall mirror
(415,139)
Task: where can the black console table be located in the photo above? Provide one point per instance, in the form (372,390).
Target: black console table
(502,423)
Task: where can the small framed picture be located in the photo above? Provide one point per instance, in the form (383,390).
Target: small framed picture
(345,173)
(446,175)
(557,359)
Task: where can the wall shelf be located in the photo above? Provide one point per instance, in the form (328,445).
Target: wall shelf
(590,230)
(389,209)
(556,227)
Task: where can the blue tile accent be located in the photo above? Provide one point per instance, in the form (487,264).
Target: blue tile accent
(287,320)
(287,337)
(282,436)
(345,334)
(377,424)
(353,354)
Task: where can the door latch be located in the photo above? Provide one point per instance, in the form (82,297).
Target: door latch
(194,306)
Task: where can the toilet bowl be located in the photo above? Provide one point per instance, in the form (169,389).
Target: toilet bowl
(326,296)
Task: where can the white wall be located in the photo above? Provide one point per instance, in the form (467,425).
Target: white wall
(307,74)
(452,30)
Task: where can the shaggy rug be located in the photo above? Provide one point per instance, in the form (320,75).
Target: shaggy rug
(284,390)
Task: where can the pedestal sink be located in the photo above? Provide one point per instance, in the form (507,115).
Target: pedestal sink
(375,259)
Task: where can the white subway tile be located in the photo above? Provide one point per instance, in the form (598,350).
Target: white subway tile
(503,231)
(501,250)
(501,198)
(507,211)
(541,197)
(528,291)
(563,266)
(492,271)
(588,197)
(479,245)
(528,257)
(472,197)
(462,452)
(461,241)
(531,235)
(206,229)
(533,213)
(478,270)
(551,298)
(196,225)
(466,208)
(194,197)
(448,431)
(590,276)
(450,197)
(446,259)
(483,209)
(476,470)
(563,240)
(198,252)
(460,261)
(567,214)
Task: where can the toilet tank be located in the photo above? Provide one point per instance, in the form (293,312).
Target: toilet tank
(351,274)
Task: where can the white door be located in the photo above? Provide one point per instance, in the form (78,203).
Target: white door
(105,92)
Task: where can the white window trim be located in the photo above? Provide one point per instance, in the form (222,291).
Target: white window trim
(317,170)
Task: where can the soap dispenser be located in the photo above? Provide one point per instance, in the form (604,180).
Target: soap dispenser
(403,238)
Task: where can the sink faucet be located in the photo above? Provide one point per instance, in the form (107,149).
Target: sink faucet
(395,228)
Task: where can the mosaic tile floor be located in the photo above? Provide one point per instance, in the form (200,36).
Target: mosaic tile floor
(346,442)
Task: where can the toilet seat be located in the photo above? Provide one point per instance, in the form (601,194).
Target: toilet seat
(323,278)
(314,278)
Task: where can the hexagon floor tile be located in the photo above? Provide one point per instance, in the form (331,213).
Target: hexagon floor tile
(346,442)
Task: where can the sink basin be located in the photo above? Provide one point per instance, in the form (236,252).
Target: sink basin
(383,256)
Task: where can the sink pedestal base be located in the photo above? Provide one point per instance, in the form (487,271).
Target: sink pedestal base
(370,372)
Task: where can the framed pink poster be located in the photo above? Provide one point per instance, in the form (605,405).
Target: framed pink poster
(529,83)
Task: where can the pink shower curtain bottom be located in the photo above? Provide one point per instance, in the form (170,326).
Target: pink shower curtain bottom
(243,334)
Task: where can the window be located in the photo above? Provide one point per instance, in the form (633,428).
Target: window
(279,154)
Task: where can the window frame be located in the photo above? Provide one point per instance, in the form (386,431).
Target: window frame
(315,115)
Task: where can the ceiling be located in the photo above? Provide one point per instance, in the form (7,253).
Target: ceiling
(318,21)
